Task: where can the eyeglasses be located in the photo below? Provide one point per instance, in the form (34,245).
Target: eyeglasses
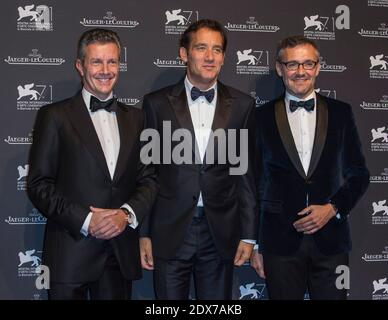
(294,65)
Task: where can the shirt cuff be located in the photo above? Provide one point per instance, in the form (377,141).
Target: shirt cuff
(337,214)
(134,223)
(250,241)
(85,226)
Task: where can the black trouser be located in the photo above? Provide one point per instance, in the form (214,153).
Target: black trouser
(111,286)
(289,277)
(197,256)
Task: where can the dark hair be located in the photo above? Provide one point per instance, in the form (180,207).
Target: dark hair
(200,24)
(96,35)
(292,42)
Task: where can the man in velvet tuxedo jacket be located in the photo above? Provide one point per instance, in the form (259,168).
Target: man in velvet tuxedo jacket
(86,177)
(204,219)
(311,173)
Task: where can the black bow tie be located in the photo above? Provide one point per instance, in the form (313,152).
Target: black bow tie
(196,93)
(308,105)
(108,105)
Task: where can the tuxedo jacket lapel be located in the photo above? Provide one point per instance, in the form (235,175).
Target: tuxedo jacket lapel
(288,140)
(178,101)
(320,134)
(83,125)
(126,139)
(223,108)
(220,120)
(286,135)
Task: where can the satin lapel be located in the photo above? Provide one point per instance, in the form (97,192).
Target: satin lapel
(125,125)
(82,123)
(286,135)
(221,118)
(320,134)
(223,108)
(178,101)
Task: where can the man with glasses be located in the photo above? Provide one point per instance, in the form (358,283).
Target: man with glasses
(310,173)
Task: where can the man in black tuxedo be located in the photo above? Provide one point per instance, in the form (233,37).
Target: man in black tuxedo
(203,220)
(311,173)
(86,177)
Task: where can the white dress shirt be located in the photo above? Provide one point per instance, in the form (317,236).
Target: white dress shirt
(202,115)
(302,124)
(105,124)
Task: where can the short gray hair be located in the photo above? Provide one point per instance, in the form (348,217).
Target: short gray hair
(98,35)
(292,42)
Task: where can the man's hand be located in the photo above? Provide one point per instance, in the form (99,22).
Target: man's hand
(147,260)
(257,263)
(243,253)
(317,217)
(107,223)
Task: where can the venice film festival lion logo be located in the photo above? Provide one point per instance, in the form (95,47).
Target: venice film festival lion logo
(379,134)
(249,292)
(313,21)
(246,55)
(28,12)
(380,285)
(174,15)
(177,20)
(23,171)
(27,91)
(32,96)
(377,61)
(26,257)
(39,19)
(379,207)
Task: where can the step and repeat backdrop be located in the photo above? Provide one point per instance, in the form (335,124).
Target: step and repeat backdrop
(37,67)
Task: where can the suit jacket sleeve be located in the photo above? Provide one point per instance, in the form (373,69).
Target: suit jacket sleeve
(142,200)
(151,123)
(258,170)
(41,182)
(354,170)
(246,188)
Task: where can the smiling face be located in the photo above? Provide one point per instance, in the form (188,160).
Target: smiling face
(100,68)
(204,57)
(300,82)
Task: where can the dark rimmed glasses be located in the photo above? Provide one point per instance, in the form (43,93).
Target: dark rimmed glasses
(294,65)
